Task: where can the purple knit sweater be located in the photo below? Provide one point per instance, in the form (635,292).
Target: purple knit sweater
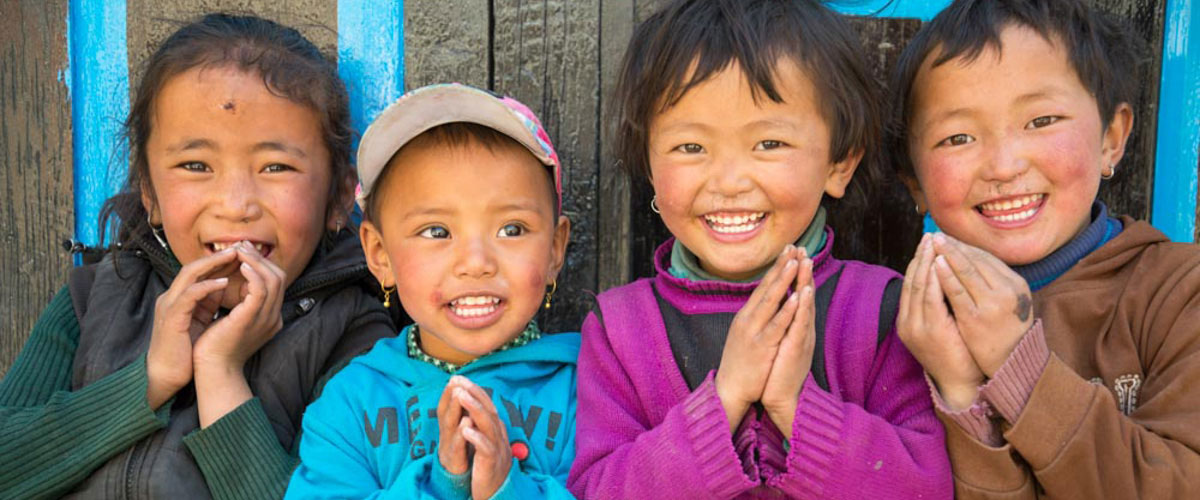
(642,434)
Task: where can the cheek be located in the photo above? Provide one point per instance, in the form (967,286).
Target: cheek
(943,181)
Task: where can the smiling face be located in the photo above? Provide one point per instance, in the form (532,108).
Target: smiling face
(736,180)
(228,162)
(1008,149)
(469,237)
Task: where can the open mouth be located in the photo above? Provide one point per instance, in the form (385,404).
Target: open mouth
(263,249)
(474,306)
(1014,209)
(733,223)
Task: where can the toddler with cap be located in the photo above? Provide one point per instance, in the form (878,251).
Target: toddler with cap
(461,199)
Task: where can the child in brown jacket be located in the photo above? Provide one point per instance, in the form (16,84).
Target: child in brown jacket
(1061,343)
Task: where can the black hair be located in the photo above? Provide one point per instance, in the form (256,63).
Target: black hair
(689,41)
(1102,50)
(452,135)
(290,67)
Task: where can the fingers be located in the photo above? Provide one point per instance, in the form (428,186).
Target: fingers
(906,288)
(766,297)
(482,410)
(204,266)
(976,278)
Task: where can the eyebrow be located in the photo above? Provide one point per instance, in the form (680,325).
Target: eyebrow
(194,144)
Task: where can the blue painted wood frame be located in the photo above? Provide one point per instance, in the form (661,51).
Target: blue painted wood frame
(98,84)
(371,55)
(1176,153)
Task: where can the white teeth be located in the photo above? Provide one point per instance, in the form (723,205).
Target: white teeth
(258,247)
(473,306)
(1016,217)
(220,246)
(1013,203)
(733,224)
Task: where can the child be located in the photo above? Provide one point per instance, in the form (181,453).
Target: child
(461,195)
(744,115)
(178,366)
(1014,111)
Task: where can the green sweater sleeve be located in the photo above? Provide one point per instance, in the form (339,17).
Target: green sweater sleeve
(51,438)
(240,455)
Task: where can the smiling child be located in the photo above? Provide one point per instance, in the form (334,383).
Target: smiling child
(461,199)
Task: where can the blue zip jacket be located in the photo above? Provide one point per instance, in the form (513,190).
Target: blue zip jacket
(373,432)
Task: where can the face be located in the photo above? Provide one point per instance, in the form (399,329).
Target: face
(469,238)
(736,180)
(229,161)
(1008,149)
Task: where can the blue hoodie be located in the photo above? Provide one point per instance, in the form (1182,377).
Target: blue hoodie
(373,432)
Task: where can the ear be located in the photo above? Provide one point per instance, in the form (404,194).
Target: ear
(344,204)
(914,189)
(1116,136)
(151,206)
(841,172)
(376,253)
(558,253)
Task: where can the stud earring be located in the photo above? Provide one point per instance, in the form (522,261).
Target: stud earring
(550,294)
(387,295)
(654,204)
(157,232)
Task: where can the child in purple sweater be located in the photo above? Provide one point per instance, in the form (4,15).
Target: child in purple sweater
(745,369)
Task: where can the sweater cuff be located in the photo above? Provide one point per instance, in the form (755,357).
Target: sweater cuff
(975,420)
(446,484)
(773,448)
(708,430)
(815,434)
(240,456)
(1010,387)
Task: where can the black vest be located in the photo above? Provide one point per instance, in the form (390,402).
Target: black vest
(329,315)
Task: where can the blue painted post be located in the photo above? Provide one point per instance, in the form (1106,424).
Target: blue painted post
(371,55)
(99,89)
(919,9)
(1175,157)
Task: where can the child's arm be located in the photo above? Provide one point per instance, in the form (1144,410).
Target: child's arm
(1072,432)
(621,455)
(51,438)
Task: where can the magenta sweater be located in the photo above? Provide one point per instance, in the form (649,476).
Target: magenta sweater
(642,433)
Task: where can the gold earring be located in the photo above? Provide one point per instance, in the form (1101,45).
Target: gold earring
(387,295)
(550,294)
(1112,170)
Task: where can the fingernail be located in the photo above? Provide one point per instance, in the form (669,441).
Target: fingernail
(939,238)
(803,252)
(245,266)
(222,280)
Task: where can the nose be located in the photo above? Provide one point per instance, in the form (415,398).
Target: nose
(237,196)
(474,258)
(1007,160)
(729,176)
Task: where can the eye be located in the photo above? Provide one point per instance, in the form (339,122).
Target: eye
(690,148)
(277,167)
(768,145)
(957,140)
(435,232)
(1042,121)
(193,166)
(511,231)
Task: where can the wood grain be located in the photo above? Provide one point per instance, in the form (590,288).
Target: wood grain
(447,41)
(37,211)
(545,55)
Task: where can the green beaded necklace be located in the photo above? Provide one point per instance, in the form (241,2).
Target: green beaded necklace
(529,334)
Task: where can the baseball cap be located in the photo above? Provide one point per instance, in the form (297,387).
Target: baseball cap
(428,107)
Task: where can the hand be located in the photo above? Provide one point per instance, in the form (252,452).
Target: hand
(220,354)
(754,338)
(452,419)
(992,304)
(180,315)
(926,327)
(794,359)
(231,340)
(491,452)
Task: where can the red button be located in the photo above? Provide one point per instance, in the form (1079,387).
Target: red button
(520,450)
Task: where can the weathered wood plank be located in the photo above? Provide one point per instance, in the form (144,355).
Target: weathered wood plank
(151,22)
(617,19)
(887,229)
(545,55)
(35,140)
(447,42)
